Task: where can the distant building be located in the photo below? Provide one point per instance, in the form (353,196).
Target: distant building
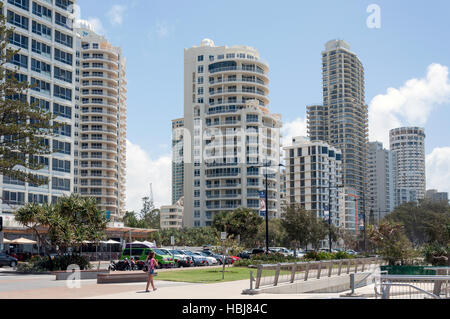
(313,171)
(436,197)
(349,210)
(171,216)
(407,145)
(177,159)
(342,119)
(380,180)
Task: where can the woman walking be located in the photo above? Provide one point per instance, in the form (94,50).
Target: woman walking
(152,263)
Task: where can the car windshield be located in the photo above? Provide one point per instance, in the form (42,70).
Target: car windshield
(159,252)
(187,252)
(178,252)
(166,252)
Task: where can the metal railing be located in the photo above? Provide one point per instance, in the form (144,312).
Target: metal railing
(275,274)
(412,287)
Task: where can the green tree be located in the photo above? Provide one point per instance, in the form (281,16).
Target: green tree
(152,218)
(278,236)
(241,222)
(424,223)
(391,242)
(70,221)
(318,231)
(298,223)
(130,220)
(23,126)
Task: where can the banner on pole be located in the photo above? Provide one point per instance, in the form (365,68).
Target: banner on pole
(262,204)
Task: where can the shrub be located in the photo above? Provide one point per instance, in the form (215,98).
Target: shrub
(42,264)
(343,255)
(435,254)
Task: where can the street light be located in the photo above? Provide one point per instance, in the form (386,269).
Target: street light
(329,211)
(266,165)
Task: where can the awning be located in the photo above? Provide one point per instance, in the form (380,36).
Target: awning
(23,241)
(6,241)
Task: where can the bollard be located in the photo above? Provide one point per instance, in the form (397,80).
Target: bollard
(352,283)
(251,279)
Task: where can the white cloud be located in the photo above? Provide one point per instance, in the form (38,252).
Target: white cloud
(292,129)
(438,169)
(410,104)
(143,170)
(116,13)
(163,29)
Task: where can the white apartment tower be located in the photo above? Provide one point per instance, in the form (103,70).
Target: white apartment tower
(407,145)
(232,132)
(46,40)
(100,150)
(380,180)
(313,177)
(342,120)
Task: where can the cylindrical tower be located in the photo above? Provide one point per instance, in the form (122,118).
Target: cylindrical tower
(407,145)
(102,122)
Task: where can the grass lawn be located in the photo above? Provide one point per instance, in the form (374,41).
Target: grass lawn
(210,275)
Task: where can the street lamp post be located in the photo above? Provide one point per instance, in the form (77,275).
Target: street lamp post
(266,165)
(329,212)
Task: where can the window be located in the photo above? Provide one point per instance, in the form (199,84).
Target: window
(200,69)
(42,11)
(19,40)
(62,74)
(41,86)
(18,20)
(20,60)
(62,21)
(12,181)
(42,30)
(61,110)
(60,165)
(61,147)
(14,198)
(43,104)
(63,129)
(64,39)
(62,93)
(40,67)
(40,48)
(64,4)
(61,184)
(23,4)
(37,198)
(200,58)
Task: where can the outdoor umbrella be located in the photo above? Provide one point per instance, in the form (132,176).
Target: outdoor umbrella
(6,241)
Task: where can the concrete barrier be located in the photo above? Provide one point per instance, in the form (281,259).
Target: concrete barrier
(122,277)
(333,284)
(84,274)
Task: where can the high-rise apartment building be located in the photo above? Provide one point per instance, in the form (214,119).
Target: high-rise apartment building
(46,40)
(313,177)
(100,148)
(177,159)
(342,120)
(80,78)
(436,197)
(380,199)
(407,145)
(232,132)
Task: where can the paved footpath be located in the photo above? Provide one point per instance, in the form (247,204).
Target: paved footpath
(46,287)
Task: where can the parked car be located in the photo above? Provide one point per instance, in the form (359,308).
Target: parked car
(181,260)
(351,252)
(198,260)
(218,257)
(244,255)
(211,260)
(257,251)
(7,260)
(282,250)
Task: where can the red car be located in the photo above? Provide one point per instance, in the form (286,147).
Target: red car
(234,259)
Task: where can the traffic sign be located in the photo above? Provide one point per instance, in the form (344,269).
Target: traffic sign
(172,240)
(223,235)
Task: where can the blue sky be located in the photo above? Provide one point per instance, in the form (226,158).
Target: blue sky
(290,36)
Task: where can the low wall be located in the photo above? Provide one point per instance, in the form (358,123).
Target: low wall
(333,284)
(84,274)
(111,278)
